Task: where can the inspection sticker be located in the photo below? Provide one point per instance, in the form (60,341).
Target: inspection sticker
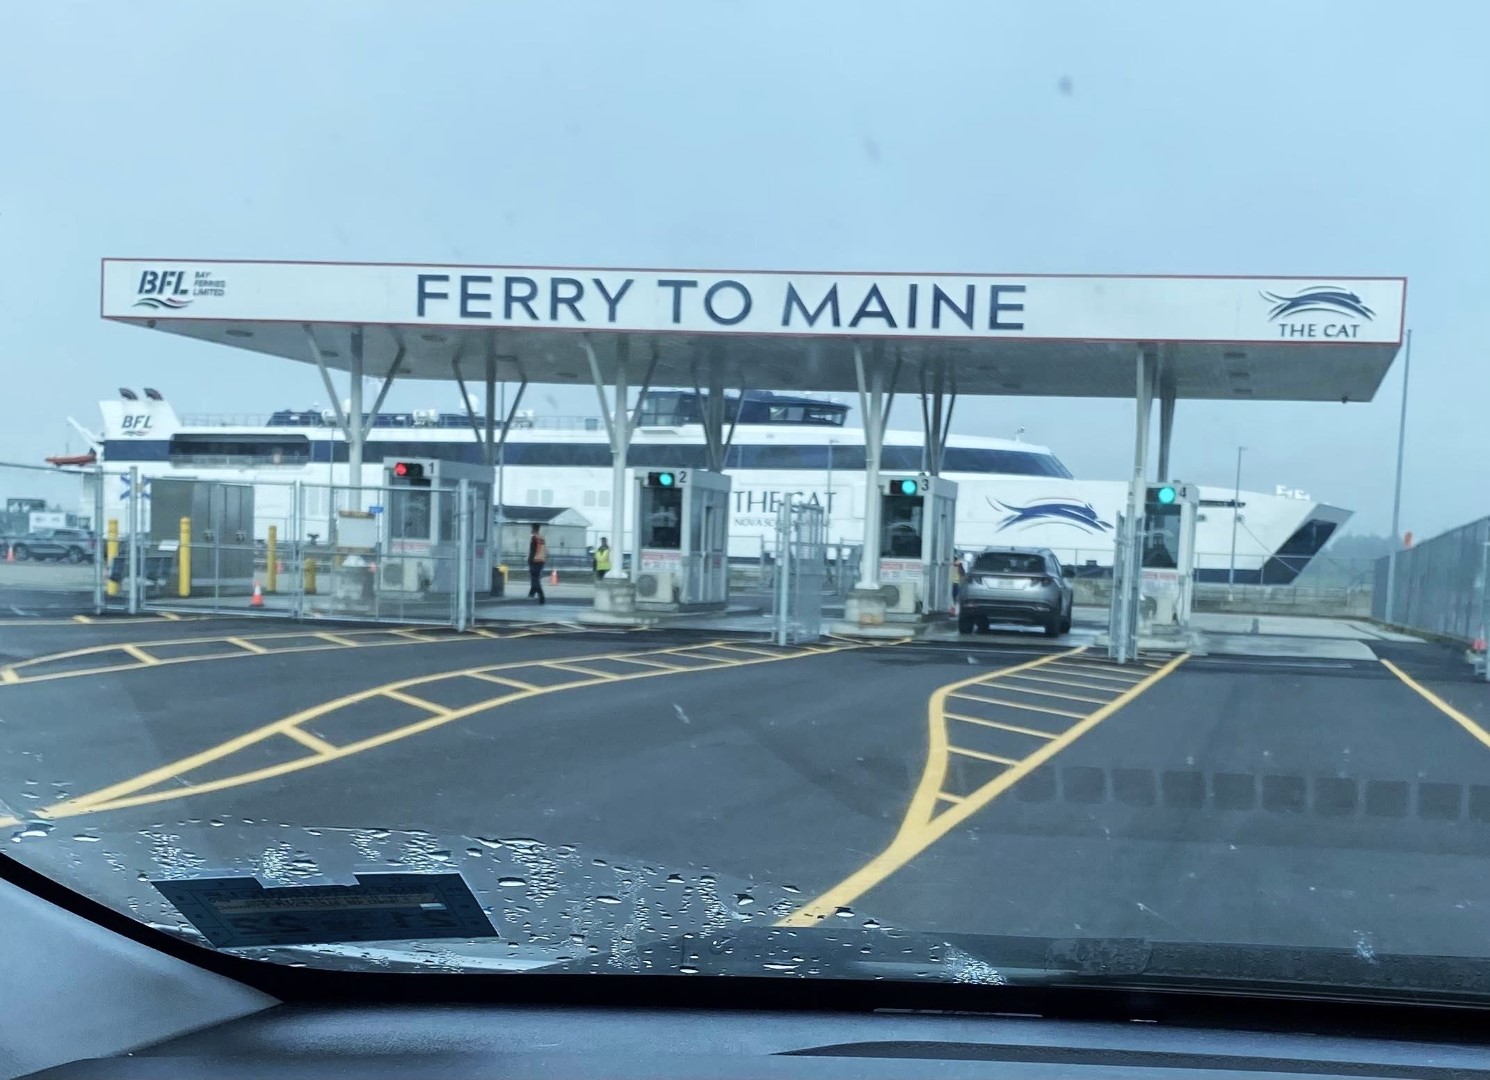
(239,912)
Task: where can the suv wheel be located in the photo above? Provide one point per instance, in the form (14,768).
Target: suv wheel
(965,624)
(74,555)
(1053,626)
(21,552)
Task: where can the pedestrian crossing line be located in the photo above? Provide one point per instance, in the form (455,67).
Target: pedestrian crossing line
(981,755)
(999,725)
(1018,687)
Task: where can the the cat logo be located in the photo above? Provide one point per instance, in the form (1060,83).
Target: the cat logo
(136,424)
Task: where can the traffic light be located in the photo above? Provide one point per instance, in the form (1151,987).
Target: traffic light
(906,485)
(663,479)
(1165,494)
(411,473)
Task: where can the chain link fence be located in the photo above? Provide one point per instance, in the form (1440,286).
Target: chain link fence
(53,558)
(1440,585)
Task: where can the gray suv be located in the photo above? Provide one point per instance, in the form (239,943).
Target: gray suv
(1015,585)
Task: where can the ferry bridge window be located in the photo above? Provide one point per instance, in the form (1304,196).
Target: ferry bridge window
(244,449)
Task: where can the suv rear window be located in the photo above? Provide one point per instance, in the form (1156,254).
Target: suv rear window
(1009,562)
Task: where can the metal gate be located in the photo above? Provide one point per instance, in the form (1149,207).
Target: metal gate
(801,571)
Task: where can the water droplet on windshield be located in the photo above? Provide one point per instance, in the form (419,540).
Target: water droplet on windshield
(687,969)
(790,888)
(870,924)
(607,899)
(32,830)
(440,856)
(215,823)
(84,838)
(521,842)
(474,852)
(844,912)
(511,882)
(744,899)
(598,862)
(675,879)
(492,845)
(142,876)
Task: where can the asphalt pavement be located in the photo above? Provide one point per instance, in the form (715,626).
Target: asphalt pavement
(598,788)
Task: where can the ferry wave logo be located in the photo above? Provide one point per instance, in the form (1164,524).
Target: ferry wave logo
(1329,298)
(1051,512)
(156,303)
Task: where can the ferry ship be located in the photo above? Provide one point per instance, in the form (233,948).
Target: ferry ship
(1009,491)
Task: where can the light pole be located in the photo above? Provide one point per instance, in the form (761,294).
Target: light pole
(1387,610)
(1236,516)
(828,507)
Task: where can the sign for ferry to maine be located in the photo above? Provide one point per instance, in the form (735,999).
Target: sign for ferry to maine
(1086,308)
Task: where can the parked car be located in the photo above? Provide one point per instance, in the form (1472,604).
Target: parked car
(70,545)
(1015,585)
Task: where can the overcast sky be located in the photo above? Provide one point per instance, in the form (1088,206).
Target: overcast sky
(1141,137)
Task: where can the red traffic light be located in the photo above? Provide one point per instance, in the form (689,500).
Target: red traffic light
(408,470)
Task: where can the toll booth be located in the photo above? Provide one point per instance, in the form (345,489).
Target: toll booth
(422,528)
(1170,512)
(917,517)
(681,539)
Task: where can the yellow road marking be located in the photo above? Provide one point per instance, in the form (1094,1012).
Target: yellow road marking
(748,649)
(516,684)
(922,827)
(946,798)
(1067,682)
(305,738)
(650,663)
(81,619)
(412,635)
(7,822)
(1440,704)
(580,669)
(123,794)
(170,616)
(417,702)
(981,756)
(242,645)
(1001,726)
(1011,684)
(1027,707)
(9,675)
(1092,671)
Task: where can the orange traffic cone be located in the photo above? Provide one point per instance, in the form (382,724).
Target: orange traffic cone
(553,578)
(258,596)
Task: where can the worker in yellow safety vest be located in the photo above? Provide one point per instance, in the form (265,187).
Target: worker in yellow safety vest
(602,558)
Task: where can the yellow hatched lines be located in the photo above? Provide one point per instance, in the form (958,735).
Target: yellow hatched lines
(177,779)
(135,655)
(982,741)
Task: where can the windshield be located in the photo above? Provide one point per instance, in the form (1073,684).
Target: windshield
(506,490)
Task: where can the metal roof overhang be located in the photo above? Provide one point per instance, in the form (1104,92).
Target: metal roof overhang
(1218,338)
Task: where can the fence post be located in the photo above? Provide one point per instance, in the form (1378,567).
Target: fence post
(134,540)
(463,555)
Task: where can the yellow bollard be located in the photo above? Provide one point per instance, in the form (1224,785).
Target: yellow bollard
(271,574)
(110,553)
(310,577)
(183,559)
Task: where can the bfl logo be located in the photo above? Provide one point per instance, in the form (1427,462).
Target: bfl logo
(1302,308)
(160,289)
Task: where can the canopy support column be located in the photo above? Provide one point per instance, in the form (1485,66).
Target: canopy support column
(615,594)
(352,420)
(864,607)
(1127,590)
(1166,427)
(936,424)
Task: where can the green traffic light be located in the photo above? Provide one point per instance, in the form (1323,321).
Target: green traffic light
(1166,495)
(908,487)
(665,479)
